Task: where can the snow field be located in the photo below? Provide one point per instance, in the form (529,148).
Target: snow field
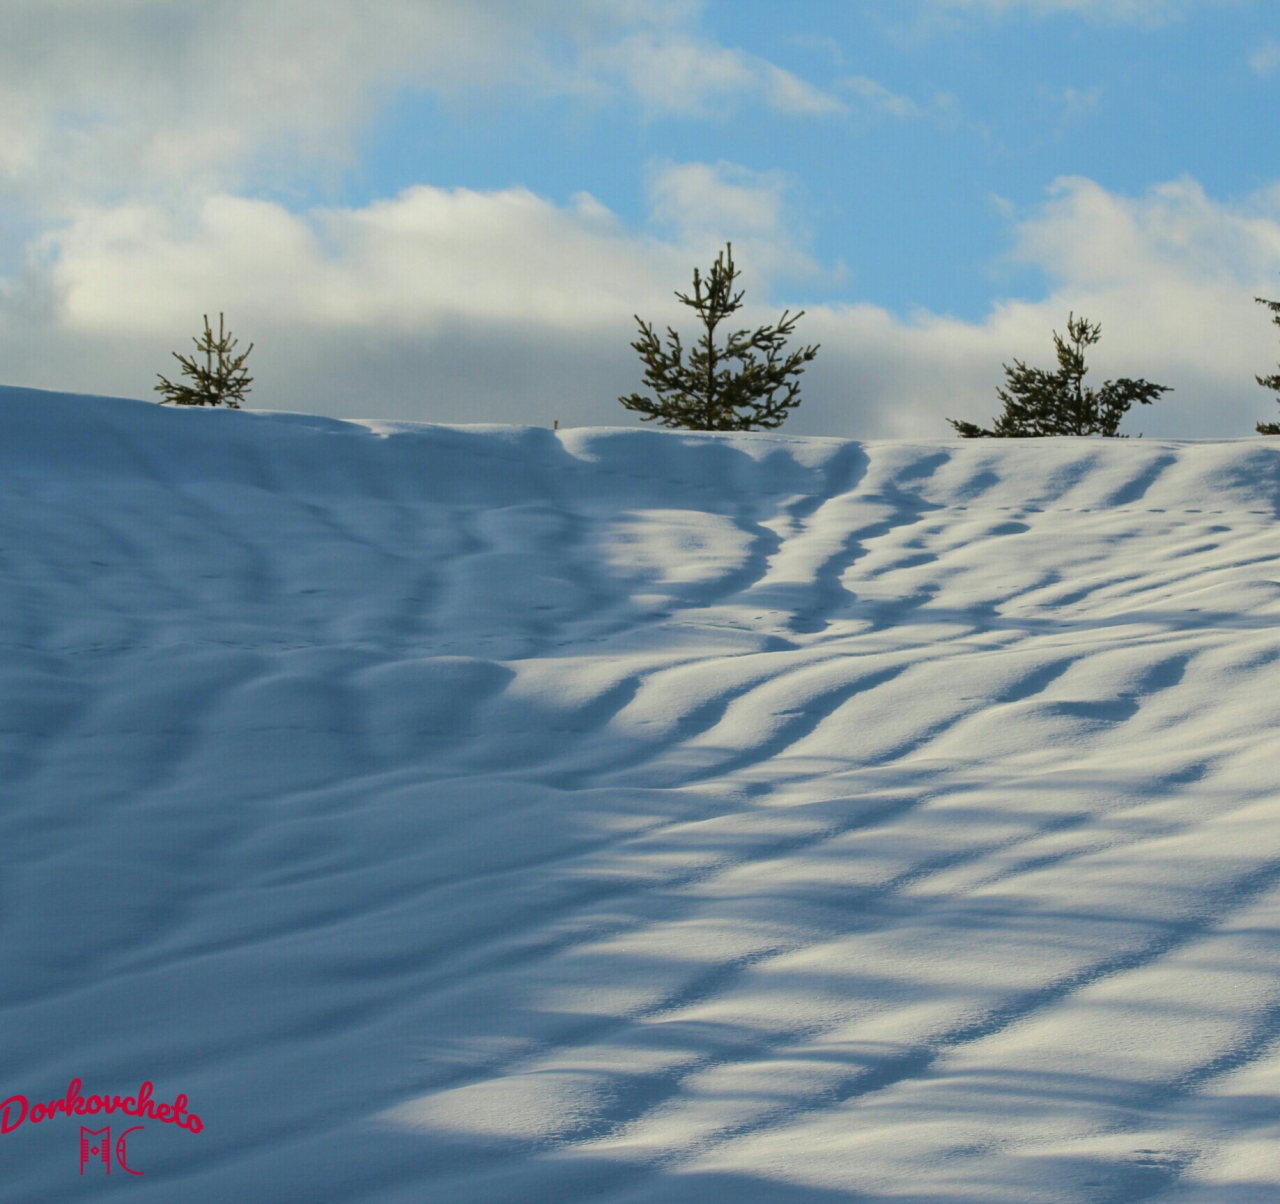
(500,815)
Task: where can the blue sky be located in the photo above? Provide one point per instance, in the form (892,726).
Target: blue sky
(449,209)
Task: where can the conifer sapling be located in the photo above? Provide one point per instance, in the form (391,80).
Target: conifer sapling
(221,380)
(1040,403)
(748,383)
(1270,382)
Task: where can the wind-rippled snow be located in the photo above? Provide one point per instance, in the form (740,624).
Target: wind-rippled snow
(490,815)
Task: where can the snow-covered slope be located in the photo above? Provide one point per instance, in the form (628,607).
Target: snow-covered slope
(482,815)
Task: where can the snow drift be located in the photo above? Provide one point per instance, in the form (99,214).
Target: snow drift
(499,815)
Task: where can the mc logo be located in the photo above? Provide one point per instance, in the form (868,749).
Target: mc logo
(103,1148)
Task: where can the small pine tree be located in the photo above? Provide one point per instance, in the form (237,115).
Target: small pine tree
(220,381)
(707,393)
(1270,382)
(1039,403)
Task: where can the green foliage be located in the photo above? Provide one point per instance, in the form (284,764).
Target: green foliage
(746,384)
(1270,382)
(221,380)
(1039,403)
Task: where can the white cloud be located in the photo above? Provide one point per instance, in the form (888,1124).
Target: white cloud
(703,204)
(123,93)
(873,99)
(684,75)
(400,265)
(1266,58)
(1119,9)
(1148,12)
(426,256)
(673,73)
(880,100)
(1077,103)
(452,305)
(790,94)
(135,96)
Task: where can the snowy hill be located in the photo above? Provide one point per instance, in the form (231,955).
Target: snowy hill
(498,815)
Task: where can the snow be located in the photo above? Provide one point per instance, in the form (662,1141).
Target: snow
(497,815)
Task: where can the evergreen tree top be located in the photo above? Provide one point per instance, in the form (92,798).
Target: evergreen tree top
(221,380)
(1039,403)
(746,383)
(1273,381)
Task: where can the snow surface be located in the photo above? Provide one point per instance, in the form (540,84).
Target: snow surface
(489,815)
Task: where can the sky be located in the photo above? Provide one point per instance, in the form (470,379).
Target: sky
(451,210)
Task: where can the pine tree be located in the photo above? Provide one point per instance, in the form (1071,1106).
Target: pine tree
(1039,403)
(1270,382)
(708,392)
(223,381)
